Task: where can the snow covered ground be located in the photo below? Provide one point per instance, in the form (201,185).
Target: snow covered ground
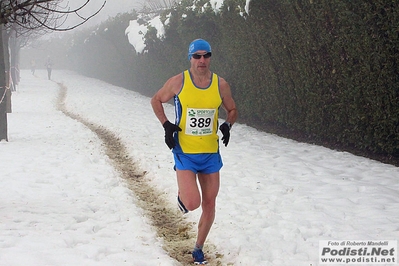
(63,203)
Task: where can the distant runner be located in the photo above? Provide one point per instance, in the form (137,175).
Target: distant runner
(49,66)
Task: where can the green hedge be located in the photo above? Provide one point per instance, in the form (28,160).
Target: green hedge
(326,69)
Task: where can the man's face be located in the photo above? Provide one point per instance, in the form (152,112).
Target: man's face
(200,61)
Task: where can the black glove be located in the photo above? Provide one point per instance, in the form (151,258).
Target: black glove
(225,128)
(169,130)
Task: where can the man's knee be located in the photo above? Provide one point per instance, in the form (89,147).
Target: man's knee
(209,205)
(192,204)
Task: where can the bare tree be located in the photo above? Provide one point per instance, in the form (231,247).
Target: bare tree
(155,7)
(25,16)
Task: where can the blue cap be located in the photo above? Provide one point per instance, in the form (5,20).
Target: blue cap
(198,45)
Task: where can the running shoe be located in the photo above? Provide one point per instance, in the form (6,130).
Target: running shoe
(181,206)
(199,258)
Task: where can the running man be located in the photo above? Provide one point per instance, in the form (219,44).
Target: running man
(198,93)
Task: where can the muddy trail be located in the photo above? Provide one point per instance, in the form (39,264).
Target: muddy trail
(177,233)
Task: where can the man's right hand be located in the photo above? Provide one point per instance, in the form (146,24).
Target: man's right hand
(169,130)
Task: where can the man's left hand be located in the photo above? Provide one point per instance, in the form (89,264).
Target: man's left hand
(225,128)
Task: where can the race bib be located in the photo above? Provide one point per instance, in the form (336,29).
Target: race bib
(199,122)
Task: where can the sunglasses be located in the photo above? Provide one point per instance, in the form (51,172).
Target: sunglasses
(198,56)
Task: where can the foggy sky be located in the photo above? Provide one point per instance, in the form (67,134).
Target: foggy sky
(111,8)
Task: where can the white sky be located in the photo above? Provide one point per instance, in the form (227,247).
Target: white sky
(111,8)
(63,203)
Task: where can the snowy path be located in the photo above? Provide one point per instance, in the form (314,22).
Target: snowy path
(61,202)
(278,197)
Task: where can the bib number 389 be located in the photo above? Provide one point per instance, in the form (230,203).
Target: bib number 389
(199,122)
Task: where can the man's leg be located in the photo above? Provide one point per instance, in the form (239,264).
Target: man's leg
(209,188)
(188,189)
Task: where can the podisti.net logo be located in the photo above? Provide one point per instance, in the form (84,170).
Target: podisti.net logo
(358,252)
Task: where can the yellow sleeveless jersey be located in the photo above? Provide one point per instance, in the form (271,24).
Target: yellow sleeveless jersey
(197,115)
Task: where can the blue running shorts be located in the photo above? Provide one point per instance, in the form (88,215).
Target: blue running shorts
(206,163)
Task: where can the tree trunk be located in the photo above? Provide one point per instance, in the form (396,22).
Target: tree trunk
(13,45)
(13,60)
(3,89)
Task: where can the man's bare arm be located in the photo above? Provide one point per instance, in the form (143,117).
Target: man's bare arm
(167,92)
(228,102)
